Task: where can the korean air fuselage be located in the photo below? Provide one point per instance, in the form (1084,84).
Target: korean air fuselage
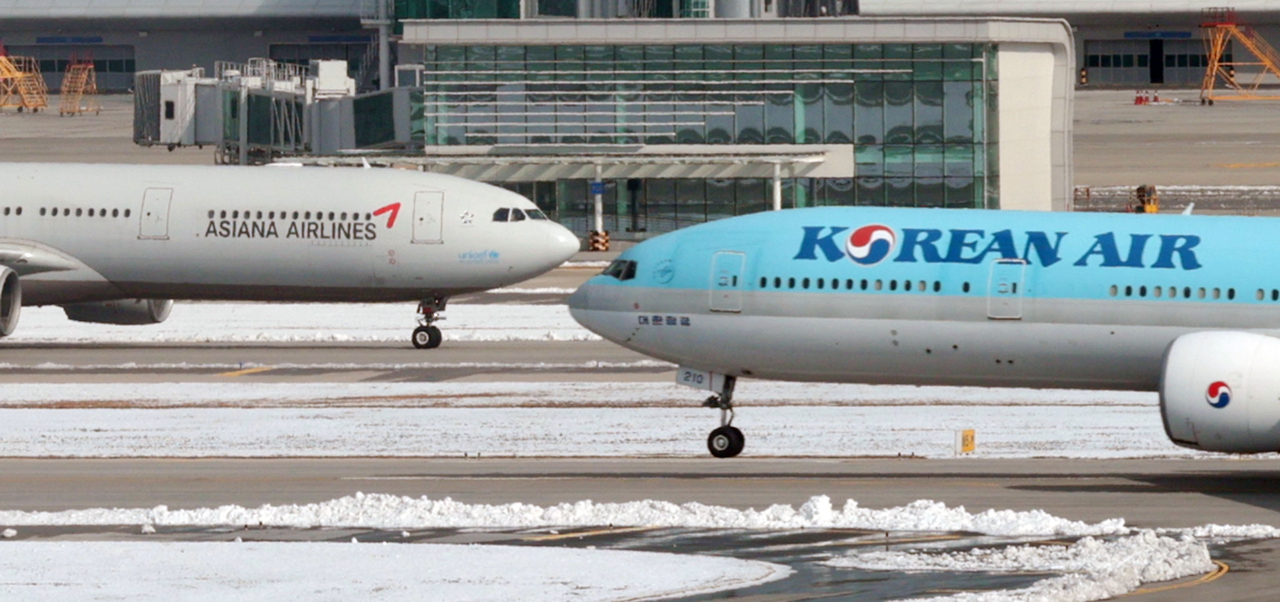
(85,233)
(931,296)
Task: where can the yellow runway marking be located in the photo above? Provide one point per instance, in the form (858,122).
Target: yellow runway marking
(1214,576)
(1248,165)
(555,536)
(247,371)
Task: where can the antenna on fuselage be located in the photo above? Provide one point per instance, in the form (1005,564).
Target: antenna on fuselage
(1187,211)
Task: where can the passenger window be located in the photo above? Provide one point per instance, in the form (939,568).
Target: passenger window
(1157,292)
(1200,293)
(1275,295)
(879,284)
(1231,294)
(127,212)
(78,212)
(19,211)
(501,215)
(764,282)
(848,285)
(90,213)
(295,215)
(42,211)
(921,286)
(966,287)
(330,216)
(791,282)
(517,215)
(1128,291)
(864,285)
(893,285)
(1142,291)
(777,283)
(1261,295)
(6,211)
(937,286)
(1217,293)
(344,216)
(820,283)
(116,213)
(806,284)
(1114,290)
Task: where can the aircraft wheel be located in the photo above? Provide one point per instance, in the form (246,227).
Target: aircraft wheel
(427,337)
(725,442)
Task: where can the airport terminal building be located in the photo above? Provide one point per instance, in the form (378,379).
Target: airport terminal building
(657,114)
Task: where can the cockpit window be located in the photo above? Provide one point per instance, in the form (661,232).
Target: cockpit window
(621,269)
(517,215)
(535,214)
(501,215)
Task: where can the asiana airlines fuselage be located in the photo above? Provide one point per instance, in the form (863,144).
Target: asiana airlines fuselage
(1185,305)
(118,243)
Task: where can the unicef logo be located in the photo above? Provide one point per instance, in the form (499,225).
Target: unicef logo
(870,245)
(1218,395)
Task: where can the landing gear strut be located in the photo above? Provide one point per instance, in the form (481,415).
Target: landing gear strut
(427,335)
(726,441)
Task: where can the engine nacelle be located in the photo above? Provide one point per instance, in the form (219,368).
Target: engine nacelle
(127,312)
(1220,391)
(10,301)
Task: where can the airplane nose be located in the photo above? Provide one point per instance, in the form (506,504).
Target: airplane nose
(579,300)
(562,244)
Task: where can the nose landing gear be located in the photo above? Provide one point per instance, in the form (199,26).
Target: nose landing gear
(726,441)
(427,335)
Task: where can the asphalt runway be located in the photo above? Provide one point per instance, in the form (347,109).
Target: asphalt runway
(1148,493)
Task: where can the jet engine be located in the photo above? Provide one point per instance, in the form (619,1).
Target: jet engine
(1220,391)
(10,301)
(123,311)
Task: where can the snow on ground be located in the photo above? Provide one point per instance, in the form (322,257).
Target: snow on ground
(1089,569)
(925,431)
(294,322)
(379,511)
(750,394)
(375,572)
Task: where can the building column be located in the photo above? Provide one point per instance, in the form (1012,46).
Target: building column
(777,186)
(598,189)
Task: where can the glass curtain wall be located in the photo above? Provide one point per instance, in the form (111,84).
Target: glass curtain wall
(920,118)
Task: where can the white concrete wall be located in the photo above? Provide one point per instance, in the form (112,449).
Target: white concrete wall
(1025,90)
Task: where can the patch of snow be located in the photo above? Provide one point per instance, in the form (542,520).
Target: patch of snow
(331,571)
(309,322)
(379,511)
(1089,569)
(367,428)
(9,533)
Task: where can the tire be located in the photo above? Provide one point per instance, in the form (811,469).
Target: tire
(422,337)
(434,337)
(725,442)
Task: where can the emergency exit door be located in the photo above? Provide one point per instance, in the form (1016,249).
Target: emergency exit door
(154,219)
(428,218)
(727,281)
(1005,289)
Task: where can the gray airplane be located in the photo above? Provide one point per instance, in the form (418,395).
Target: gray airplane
(117,244)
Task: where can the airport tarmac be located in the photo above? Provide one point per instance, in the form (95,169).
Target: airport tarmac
(1148,493)
(1115,144)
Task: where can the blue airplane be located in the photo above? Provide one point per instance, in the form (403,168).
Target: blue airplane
(1185,305)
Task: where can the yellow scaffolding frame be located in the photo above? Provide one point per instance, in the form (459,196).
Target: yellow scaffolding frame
(80,90)
(21,85)
(1221,26)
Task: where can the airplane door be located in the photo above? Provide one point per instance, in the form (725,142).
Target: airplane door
(727,280)
(1005,288)
(154,221)
(428,218)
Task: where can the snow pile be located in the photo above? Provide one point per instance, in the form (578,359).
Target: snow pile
(1229,532)
(1089,569)
(332,571)
(311,322)
(379,511)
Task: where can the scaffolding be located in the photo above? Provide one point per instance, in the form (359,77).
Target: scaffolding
(80,88)
(1221,27)
(21,85)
